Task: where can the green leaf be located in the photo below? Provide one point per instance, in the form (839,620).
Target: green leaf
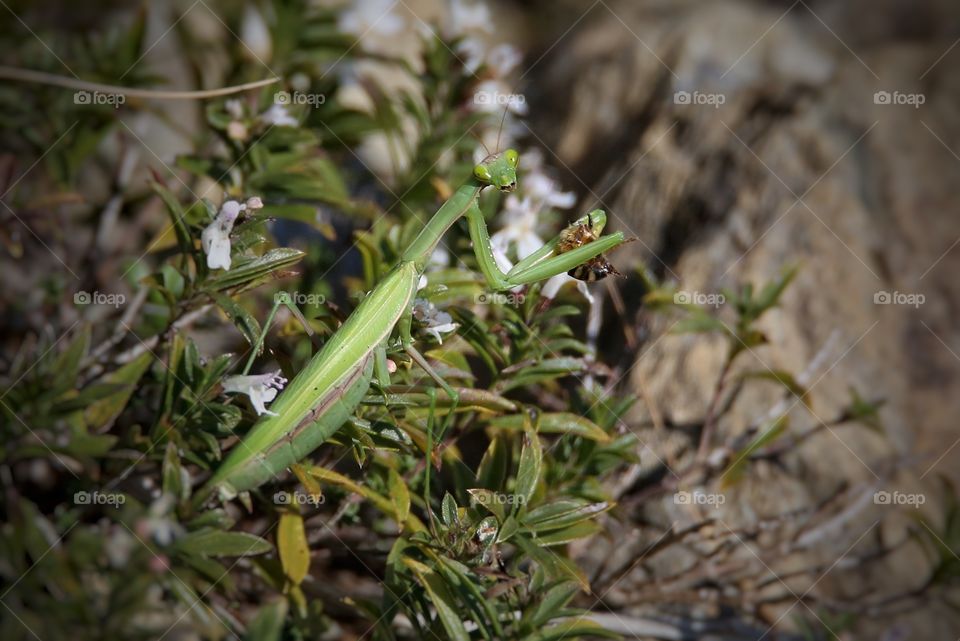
(699,322)
(566,535)
(212,570)
(508,529)
(448,510)
(770,295)
(292,547)
(400,495)
(216,543)
(531,464)
(577,627)
(172,280)
(545,370)
(445,605)
(561,514)
(492,471)
(383,503)
(176,213)
(267,625)
(783,378)
(488,499)
(554,566)
(555,599)
(863,411)
(740,460)
(66,368)
(244,320)
(257,270)
(556,423)
(172,478)
(83,444)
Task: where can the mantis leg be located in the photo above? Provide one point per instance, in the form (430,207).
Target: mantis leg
(406,339)
(380,370)
(538,266)
(596,220)
(421,360)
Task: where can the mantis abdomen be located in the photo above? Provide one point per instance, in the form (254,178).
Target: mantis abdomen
(324,395)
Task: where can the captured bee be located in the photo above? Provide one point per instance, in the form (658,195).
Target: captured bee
(598,267)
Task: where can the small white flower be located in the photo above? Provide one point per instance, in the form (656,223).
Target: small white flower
(439,259)
(503,59)
(254,203)
(157,525)
(437,322)
(237,130)
(255,35)
(552,287)
(474,52)
(278,116)
(520,228)
(442,328)
(260,388)
(215,239)
(491,96)
(234,107)
(371,19)
(467,17)
(543,189)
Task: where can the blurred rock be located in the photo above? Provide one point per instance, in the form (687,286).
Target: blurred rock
(735,138)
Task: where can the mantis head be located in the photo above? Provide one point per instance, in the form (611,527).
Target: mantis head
(499,170)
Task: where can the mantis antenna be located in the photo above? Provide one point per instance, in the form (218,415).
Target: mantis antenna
(502,119)
(480,140)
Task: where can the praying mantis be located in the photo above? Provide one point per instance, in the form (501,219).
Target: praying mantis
(323,396)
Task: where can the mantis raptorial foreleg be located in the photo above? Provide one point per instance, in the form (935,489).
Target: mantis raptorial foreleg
(542,264)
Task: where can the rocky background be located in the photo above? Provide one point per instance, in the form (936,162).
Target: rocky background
(732,139)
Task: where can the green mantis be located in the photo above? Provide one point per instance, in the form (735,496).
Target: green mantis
(325,394)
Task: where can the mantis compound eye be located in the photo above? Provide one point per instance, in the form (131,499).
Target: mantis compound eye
(512,157)
(482,173)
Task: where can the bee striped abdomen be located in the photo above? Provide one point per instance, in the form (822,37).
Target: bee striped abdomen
(593,270)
